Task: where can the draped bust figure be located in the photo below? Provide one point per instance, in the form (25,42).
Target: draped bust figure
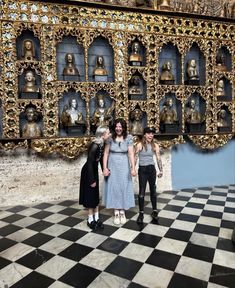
(71,114)
(31,129)
(30,83)
(192,115)
(136,127)
(102,115)
(70,68)
(167,72)
(221,120)
(28,50)
(168,114)
(100,69)
(220,91)
(192,72)
(135,53)
(135,87)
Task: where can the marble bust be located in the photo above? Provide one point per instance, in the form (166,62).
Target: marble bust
(220,91)
(192,72)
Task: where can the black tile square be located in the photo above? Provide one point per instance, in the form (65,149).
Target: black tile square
(221,186)
(177,234)
(107,231)
(231,190)
(201,196)
(17,209)
(182,281)
(222,276)
(119,267)
(72,234)
(6,243)
(224,224)
(181,198)
(68,211)
(215,202)
(112,245)
(40,225)
(170,192)
(226,244)
(195,205)
(34,280)
(229,210)
(43,205)
(230,199)
(223,194)
(163,221)
(163,259)
(135,285)
(70,221)
(13,218)
(205,188)
(212,214)
(132,225)
(199,252)
(76,252)
(163,200)
(9,229)
(80,276)
(68,203)
(147,240)
(173,208)
(189,190)
(41,214)
(38,240)
(35,259)
(206,229)
(4,262)
(187,217)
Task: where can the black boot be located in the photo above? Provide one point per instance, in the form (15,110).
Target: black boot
(92,225)
(140,219)
(154,215)
(99,224)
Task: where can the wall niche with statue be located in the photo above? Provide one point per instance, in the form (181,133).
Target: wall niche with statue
(69,70)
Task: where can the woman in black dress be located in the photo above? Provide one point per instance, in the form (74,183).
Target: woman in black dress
(89,183)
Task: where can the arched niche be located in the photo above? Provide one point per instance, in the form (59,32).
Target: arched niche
(21,41)
(72,118)
(101,49)
(69,45)
(170,114)
(223,90)
(29,84)
(136,53)
(137,121)
(102,110)
(194,114)
(31,122)
(196,54)
(223,59)
(224,119)
(137,87)
(170,54)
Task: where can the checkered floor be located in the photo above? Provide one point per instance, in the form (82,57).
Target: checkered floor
(49,244)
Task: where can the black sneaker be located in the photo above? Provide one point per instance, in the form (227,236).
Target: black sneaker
(140,218)
(154,215)
(92,225)
(99,224)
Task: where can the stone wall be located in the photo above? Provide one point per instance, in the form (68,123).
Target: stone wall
(28,178)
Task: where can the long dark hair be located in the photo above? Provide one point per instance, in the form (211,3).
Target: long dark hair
(124,127)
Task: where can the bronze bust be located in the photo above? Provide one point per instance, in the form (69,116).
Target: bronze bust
(220,62)
(102,115)
(168,114)
(135,53)
(192,72)
(71,115)
(135,87)
(167,74)
(100,69)
(70,69)
(31,129)
(28,50)
(30,83)
(136,127)
(192,115)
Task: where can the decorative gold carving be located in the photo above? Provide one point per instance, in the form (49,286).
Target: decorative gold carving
(210,141)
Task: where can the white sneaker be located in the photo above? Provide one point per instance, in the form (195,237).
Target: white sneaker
(122,218)
(116,219)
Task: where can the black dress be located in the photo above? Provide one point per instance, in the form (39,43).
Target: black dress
(89,196)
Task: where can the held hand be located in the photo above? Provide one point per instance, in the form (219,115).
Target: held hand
(159,175)
(133,172)
(106,172)
(93,185)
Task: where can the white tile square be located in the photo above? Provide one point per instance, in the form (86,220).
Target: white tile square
(125,234)
(156,230)
(209,221)
(224,258)
(172,246)
(107,280)
(13,273)
(25,222)
(204,240)
(16,252)
(92,240)
(137,252)
(56,245)
(56,230)
(22,234)
(55,218)
(183,225)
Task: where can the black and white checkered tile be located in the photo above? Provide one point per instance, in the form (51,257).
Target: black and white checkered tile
(49,245)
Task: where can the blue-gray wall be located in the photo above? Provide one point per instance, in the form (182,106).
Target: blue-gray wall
(192,167)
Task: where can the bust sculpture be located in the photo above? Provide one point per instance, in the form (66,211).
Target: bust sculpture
(135,87)
(102,115)
(165,5)
(220,61)
(136,127)
(167,74)
(28,50)
(192,115)
(168,114)
(100,69)
(31,129)
(30,83)
(192,72)
(71,115)
(220,88)
(221,120)
(70,69)
(135,53)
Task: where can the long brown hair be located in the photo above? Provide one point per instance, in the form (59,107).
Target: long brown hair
(144,143)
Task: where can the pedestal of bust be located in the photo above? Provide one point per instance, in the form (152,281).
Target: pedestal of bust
(167,82)
(101,78)
(224,129)
(76,130)
(170,128)
(30,95)
(194,127)
(71,77)
(135,63)
(195,82)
